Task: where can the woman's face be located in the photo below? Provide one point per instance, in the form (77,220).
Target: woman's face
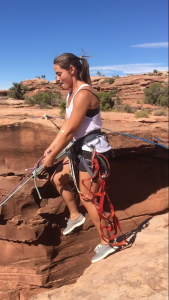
(64,77)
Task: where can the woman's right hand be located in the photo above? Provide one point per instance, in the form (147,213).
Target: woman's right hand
(48,151)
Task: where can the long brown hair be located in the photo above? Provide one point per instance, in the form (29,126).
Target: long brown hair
(80,63)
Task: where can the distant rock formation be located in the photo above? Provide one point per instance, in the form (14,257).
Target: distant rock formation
(130,88)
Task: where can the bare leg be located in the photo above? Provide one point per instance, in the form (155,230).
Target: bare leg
(89,205)
(60,180)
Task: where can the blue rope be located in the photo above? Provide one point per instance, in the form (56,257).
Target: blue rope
(135,137)
(132,136)
(161,140)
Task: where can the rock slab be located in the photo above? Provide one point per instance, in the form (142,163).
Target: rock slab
(139,272)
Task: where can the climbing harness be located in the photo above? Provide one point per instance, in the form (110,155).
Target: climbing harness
(96,173)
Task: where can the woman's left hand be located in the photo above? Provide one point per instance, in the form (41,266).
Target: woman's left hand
(48,161)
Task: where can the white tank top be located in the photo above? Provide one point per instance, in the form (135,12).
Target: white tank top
(88,125)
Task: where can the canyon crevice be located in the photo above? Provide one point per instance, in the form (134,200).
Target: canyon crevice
(34,255)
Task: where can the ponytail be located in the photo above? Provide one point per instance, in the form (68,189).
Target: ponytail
(80,63)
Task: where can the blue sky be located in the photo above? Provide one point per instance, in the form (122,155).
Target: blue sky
(122,36)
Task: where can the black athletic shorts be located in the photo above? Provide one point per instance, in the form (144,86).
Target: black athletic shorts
(88,155)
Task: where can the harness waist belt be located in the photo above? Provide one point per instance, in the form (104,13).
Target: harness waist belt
(87,138)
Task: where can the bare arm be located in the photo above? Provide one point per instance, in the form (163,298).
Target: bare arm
(80,107)
(62,129)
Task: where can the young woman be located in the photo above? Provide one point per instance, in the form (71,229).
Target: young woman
(82,123)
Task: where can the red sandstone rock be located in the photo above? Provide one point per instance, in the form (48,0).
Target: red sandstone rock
(131,84)
(3,92)
(33,253)
(139,272)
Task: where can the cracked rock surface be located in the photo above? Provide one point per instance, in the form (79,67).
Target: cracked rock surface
(34,255)
(139,272)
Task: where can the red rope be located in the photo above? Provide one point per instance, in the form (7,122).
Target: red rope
(111,219)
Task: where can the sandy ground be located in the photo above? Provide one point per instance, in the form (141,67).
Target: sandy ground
(17,111)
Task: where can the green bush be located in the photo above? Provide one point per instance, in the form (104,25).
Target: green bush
(141,114)
(44,99)
(109,80)
(62,107)
(153,93)
(106,103)
(118,108)
(58,95)
(44,82)
(128,108)
(166,91)
(163,101)
(118,101)
(113,92)
(17,91)
(155,71)
(29,100)
(160,112)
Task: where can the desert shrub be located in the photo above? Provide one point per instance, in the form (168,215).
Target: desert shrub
(163,101)
(166,91)
(48,106)
(127,94)
(29,100)
(44,82)
(139,89)
(17,91)
(160,112)
(109,80)
(138,101)
(128,108)
(118,101)
(42,76)
(150,74)
(155,71)
(44,99)
(106,103)
(118,108)
(62,107)
(113,92)
(141,114)
(147,110)
(153,92)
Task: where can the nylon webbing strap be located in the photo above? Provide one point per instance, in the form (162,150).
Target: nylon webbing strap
(83,161)
(34,171)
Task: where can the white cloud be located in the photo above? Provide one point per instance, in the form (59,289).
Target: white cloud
(129,68)
(152,45)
